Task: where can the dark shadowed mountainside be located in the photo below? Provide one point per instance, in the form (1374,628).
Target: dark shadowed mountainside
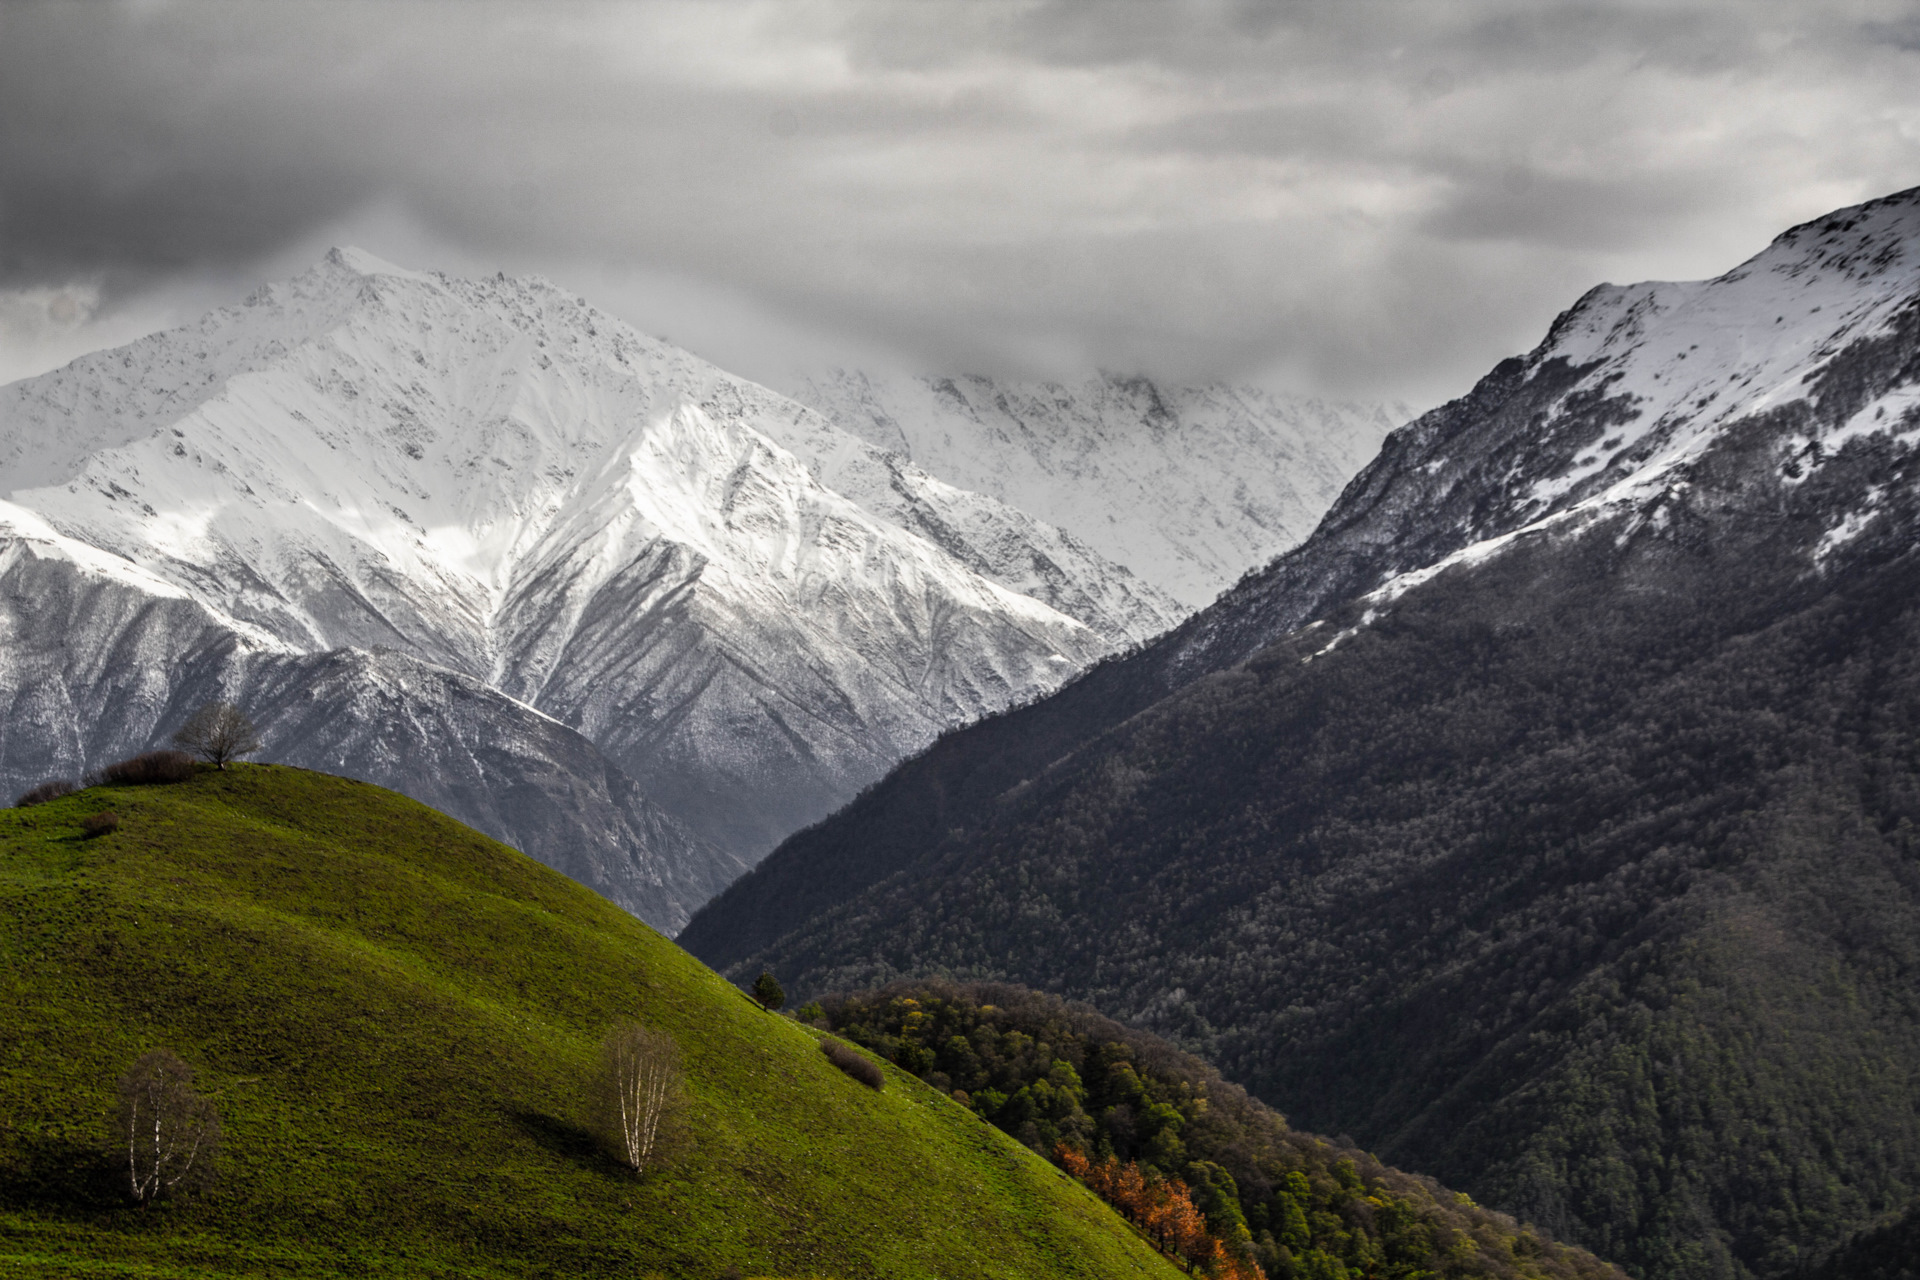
(1545,822)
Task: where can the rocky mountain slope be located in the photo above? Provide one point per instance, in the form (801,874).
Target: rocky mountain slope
(1189,487)
(98,662)
(474,539)
(1544,821)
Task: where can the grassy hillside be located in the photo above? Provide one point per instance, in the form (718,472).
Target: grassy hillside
(396,1018)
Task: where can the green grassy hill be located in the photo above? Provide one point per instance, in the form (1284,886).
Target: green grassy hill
(397,1018)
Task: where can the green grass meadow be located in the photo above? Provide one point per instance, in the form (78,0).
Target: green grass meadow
(397,1019)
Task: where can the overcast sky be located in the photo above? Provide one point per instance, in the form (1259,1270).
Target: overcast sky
(1360,199)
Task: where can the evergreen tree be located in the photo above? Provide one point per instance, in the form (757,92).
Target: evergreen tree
(767,990)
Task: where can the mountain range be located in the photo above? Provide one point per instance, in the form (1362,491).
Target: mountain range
(1190,487)
(481,542)
(1545,821)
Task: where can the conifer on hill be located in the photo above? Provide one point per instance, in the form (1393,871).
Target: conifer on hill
(767,990)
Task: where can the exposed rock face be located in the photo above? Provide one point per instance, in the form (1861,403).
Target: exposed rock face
(97,664)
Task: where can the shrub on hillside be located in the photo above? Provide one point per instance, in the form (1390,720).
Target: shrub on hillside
(857,1065)
(47,791)
(150,767)
(99,824)
(767,990)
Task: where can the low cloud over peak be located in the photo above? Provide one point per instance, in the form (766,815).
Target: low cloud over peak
(1370,199)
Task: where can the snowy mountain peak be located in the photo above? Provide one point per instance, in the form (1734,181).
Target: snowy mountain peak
(1673,365)
(476,540)
(1808,346)
(360,262)
(1189,487)
(749,612)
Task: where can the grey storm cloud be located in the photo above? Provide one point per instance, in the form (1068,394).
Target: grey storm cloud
(1363,198)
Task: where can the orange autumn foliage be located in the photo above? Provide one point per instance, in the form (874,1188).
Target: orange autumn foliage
(1163,1208)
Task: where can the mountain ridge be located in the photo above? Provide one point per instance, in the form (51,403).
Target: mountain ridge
(1404,513)
(469,474)
(1093,458)
(1530,756)
(741,612)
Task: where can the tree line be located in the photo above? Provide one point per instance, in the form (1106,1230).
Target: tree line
(1157,1132)
(1164,1209)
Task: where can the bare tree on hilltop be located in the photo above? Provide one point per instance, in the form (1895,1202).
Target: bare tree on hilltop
(218,732)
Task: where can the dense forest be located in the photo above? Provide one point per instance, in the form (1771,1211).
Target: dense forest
(1075,1085)
(1586,880)
(1890,1251)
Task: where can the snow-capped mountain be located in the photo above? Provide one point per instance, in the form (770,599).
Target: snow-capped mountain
(1780,401)
(1562,786)
(1189,487)
(1801,349)
(410,520)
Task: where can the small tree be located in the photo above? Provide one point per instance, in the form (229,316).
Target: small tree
(767,990)
(218,732)
(170,1133)
(637,1094)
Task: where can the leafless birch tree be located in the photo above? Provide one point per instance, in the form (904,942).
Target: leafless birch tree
(638,1095)
(170,1133)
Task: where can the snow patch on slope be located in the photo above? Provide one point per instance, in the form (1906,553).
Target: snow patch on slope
(1685,363)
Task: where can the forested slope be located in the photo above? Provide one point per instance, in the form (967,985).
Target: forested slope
(1611,921)
(1572,858)
(1065,1080)
(1888,1252)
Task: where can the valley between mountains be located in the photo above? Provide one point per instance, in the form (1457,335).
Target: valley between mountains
(1545,821)
(1113,775)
